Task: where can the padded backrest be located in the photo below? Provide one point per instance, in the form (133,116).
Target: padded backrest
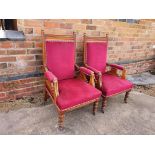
(60,58)
(96,55)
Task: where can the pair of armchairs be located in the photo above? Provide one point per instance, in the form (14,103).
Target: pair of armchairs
(69,91)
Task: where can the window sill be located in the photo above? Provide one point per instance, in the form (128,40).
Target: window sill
(11,35)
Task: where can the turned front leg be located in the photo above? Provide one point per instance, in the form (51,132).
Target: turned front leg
(95,106)
(103,104)
(61,120)
(126,96)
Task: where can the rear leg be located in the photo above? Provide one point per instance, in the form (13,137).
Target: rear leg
(95,106)
(126,96)
(104,104)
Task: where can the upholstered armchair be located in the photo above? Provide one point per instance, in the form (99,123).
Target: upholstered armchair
(110,81)
(67,91)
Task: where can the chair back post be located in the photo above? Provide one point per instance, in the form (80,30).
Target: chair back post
(74,37)
(84,46)
(43,50)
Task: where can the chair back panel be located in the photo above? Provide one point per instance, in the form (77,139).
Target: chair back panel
(60,58)
(96,54)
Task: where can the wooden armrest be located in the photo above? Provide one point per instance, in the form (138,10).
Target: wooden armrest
(115,67)
(98,76)
(94,70)
(83,72)
(50,76)
(52,84)
(86,71)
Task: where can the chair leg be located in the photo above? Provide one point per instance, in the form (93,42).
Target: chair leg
(126,96)
(45,96)
(103,104)
(95,105)
(61,120)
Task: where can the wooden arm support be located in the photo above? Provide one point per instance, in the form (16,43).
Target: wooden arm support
(86,72)
(52,89)
(52,84)
(114,68)
(98,76)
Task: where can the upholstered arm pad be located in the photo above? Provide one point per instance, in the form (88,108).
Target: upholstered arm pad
(50,76)
(86,71)
(116,66)
(94,70)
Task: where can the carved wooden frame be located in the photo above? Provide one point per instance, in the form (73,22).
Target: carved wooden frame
(52,88)
(113,70)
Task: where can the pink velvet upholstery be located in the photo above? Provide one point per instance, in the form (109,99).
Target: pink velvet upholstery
(60,58)
(73,92)
(50,76)
(96,55)
(116,66)
(86,70)
(112,85)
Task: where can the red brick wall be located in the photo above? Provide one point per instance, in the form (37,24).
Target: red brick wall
(20,61)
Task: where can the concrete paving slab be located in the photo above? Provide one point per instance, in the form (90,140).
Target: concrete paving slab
(136,117)
(145,78)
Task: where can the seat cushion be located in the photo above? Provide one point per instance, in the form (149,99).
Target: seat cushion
(73,92)
(60,58)
(96,55)
(112,85)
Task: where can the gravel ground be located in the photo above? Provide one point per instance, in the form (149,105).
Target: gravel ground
(25,102)
(148,89)
(37,100)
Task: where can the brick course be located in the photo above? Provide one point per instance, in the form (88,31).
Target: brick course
(129,45)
